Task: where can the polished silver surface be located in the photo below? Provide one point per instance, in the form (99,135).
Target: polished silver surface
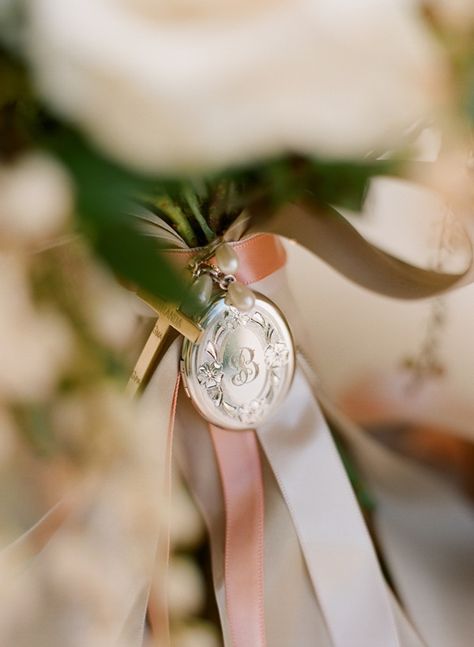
(242,366)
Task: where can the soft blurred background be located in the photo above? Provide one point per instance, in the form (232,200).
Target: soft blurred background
(194,110)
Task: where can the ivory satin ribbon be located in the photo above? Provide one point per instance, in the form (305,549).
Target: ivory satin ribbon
(426,531)
(336,546)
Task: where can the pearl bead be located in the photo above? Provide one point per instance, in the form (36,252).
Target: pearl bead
(240,296)
(226,259)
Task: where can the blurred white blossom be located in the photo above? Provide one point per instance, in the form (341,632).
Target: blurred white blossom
(108,309)
(191,85)
(196,635)
(35,343)
(35,199)
(185,588)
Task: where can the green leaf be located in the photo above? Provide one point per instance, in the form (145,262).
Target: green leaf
(137,259)
(279,180)
(104,200)
(344,183)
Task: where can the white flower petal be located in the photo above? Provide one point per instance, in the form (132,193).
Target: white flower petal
(192,88)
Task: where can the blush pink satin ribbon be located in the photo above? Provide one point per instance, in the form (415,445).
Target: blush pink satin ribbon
(240,470)
(259,256)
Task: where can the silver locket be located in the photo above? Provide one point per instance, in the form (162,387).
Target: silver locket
(241,368)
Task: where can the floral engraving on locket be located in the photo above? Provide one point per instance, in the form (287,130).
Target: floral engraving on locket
(242,367)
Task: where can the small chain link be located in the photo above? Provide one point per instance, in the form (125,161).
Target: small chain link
(219,278)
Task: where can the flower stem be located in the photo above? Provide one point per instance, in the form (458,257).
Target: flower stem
(191,199)
(177,218)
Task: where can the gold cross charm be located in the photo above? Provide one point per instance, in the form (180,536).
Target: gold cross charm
(169,319)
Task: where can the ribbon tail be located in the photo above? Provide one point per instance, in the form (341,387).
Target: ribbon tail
(426,531)
(338,551)
(158,601)
(325,232)
(161,395)
(240,470)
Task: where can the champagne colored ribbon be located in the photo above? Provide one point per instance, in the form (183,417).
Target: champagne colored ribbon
(158,602)
(325,232)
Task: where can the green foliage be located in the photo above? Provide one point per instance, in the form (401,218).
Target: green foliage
(104,193)
(345,183)
(340,182)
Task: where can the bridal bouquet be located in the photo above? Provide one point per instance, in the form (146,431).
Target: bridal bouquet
(163,165)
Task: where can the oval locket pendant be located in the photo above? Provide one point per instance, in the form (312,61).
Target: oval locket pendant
(242,366)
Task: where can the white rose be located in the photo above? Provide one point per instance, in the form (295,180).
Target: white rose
(188,85)
(108,307)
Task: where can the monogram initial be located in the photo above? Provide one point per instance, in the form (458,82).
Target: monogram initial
(247,369)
